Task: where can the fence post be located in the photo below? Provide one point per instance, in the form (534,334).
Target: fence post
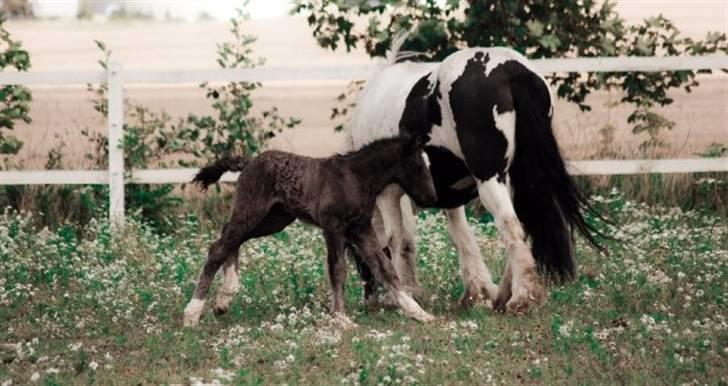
(116,153)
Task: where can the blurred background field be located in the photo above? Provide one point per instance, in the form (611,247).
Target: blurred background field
(701,117)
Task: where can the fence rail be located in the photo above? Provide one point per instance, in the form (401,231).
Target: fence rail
(183,175)
(263,74)
(115,77)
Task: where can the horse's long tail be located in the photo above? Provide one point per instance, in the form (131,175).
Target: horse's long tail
(212,173)
(545,197)
(394,54)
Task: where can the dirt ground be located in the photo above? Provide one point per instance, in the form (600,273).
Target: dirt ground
(60,113)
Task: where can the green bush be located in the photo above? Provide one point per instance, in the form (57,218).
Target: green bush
(14,100)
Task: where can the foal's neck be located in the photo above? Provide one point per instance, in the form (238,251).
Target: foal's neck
(377,169)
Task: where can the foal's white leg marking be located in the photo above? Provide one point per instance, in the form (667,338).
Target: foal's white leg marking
(193,312)
(229,288)
(506,123)
(343,321)
(411,308)
(473,270)
(496,198)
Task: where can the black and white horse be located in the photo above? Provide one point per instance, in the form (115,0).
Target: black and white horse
(485,117)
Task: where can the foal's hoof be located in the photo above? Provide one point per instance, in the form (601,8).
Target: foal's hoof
(193,311)
(424,317)
(411,308)
(342,321)
(416,291)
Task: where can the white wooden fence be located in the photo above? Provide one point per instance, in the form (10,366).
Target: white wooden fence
(115,78)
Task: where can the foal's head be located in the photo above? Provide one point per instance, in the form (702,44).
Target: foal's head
(413,174)
(398,160)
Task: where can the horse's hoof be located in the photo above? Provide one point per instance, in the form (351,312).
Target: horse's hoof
(387,301)
(499,305)
(523,301)
(373,304)
(477,294)
(518,306)
(220,309)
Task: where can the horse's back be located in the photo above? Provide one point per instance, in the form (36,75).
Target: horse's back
(498,66)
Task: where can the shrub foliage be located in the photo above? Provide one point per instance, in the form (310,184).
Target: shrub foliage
(14,100)
(537,29)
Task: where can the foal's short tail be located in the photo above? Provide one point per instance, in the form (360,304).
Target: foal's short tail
(212,173)
(545,197)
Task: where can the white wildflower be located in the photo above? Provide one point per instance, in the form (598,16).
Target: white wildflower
(565,329)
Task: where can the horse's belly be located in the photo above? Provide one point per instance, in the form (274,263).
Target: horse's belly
(454,184)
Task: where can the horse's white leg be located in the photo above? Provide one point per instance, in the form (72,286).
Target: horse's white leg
(408,252)
(385,273)
(399,235)
(230,285)
(521,267)
(476,276)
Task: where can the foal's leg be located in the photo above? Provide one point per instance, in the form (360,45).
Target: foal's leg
(233,234)
(366,275)
(476,277)
(385,273)
(399,227)
(336,264)
(521,267)
(275,221)
(247,214)
(230,285)
(371,299)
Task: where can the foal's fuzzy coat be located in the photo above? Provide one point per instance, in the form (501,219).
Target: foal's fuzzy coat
(337,194)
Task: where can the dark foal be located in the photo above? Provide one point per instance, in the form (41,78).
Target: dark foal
(337,194)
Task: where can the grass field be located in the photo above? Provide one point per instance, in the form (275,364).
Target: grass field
(80,307)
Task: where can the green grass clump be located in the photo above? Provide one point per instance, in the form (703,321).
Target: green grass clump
(79,305)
